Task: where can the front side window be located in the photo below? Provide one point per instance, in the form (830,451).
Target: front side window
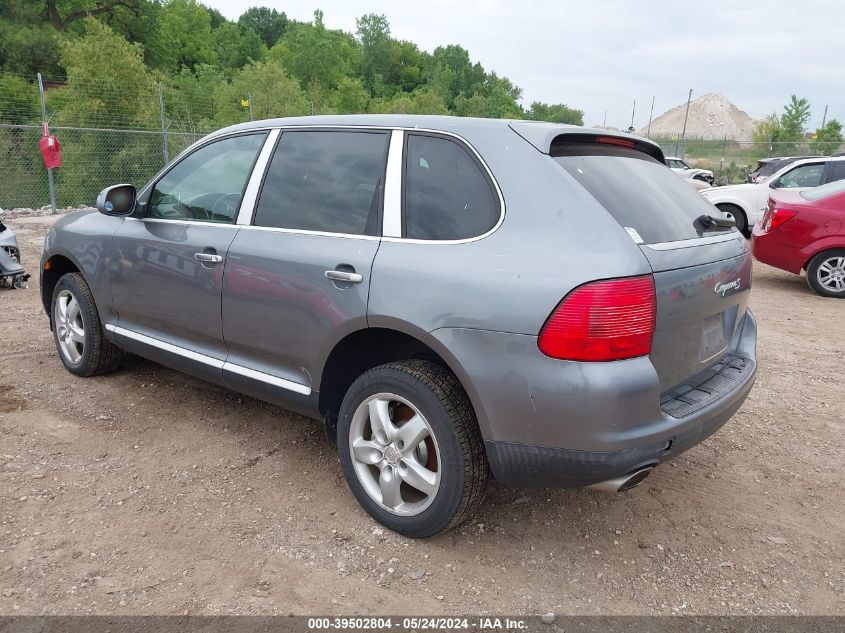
(324,181)
(802,176)
(208,184)
(447,196)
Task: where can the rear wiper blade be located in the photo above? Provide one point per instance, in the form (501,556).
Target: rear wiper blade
(708,222)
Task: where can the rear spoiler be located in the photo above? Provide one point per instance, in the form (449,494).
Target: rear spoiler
(544,137)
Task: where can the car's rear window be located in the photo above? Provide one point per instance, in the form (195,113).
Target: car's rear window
(643,195)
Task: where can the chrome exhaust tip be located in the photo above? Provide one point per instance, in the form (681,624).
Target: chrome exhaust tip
(623,483)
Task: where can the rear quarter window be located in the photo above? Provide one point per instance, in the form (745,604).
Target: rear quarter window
(447,196)
(637,190)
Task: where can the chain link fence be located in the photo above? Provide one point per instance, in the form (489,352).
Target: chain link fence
(92,158)
(126,133)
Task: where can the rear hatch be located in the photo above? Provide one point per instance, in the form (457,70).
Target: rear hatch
(702,273)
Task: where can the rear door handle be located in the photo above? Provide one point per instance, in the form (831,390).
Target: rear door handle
(342,275)
(208,257)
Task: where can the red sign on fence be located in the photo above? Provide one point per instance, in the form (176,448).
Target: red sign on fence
(51,151)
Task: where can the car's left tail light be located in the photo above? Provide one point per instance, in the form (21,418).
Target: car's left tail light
(604,320)
(775,218)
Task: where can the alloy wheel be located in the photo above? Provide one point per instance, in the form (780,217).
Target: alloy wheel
(831,274)
(395,454)
(70,329)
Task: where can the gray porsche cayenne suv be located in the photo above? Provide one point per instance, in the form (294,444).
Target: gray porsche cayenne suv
(454,299)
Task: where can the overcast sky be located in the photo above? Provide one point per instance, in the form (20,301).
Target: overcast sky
(600,55)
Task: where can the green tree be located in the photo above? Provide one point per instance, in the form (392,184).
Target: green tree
(556,113)
(373,33)
(18,100)
(828,139)
(108,84)
(236,45)
(793,122)
(62,13)
(316,55)
(183,36)
(274,94)
(29,49)
(420,101)
(466,77)
(496,98)
(268,23)
(768,130)
(350,96)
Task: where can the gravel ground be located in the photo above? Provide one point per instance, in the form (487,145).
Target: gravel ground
(149,492)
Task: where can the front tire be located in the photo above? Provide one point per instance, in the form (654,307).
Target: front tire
(77,331)
(826,273)
(411,449)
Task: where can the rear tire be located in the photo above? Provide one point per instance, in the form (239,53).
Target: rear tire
(737,215)
(407,424)
(826,273)
(77,330)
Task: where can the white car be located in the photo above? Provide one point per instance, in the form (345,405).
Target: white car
(685,171)
(746,203)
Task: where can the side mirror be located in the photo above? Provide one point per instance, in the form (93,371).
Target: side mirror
(775,184)
(117,200)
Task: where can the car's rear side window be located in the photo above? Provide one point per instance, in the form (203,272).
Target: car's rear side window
(837,170)
(447,195)
(646,198)
(326,181)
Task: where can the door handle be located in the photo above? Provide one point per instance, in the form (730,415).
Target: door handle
(208,257)
(342,275)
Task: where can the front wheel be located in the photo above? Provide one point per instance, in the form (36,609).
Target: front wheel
(826,273)
(77,331)
(411,449)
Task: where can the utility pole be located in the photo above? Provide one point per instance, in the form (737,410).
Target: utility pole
(824,118)
(650,116)
(684,131)
(44,130)
(249,99)
(604,123)
(633,112)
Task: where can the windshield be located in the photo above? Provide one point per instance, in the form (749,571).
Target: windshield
(638,191)
(830,189)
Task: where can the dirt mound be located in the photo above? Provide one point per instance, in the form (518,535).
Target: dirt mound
(711,116)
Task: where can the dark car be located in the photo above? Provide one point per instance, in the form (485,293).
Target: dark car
(451,297)
(767,166)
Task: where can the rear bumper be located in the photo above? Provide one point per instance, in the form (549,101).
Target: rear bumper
(527,466)
(576,424)
(768,249)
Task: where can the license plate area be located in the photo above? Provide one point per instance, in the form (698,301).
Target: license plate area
(714,341)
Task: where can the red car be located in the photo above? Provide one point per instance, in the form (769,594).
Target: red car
(806,230)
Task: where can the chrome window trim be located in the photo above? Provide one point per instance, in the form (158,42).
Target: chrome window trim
(698,241)
(247,208)
(226,225)
(275,229)
(467,145)
(392,180)
(392,208)
(210,360)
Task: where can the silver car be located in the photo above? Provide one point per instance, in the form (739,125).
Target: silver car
(452,298)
